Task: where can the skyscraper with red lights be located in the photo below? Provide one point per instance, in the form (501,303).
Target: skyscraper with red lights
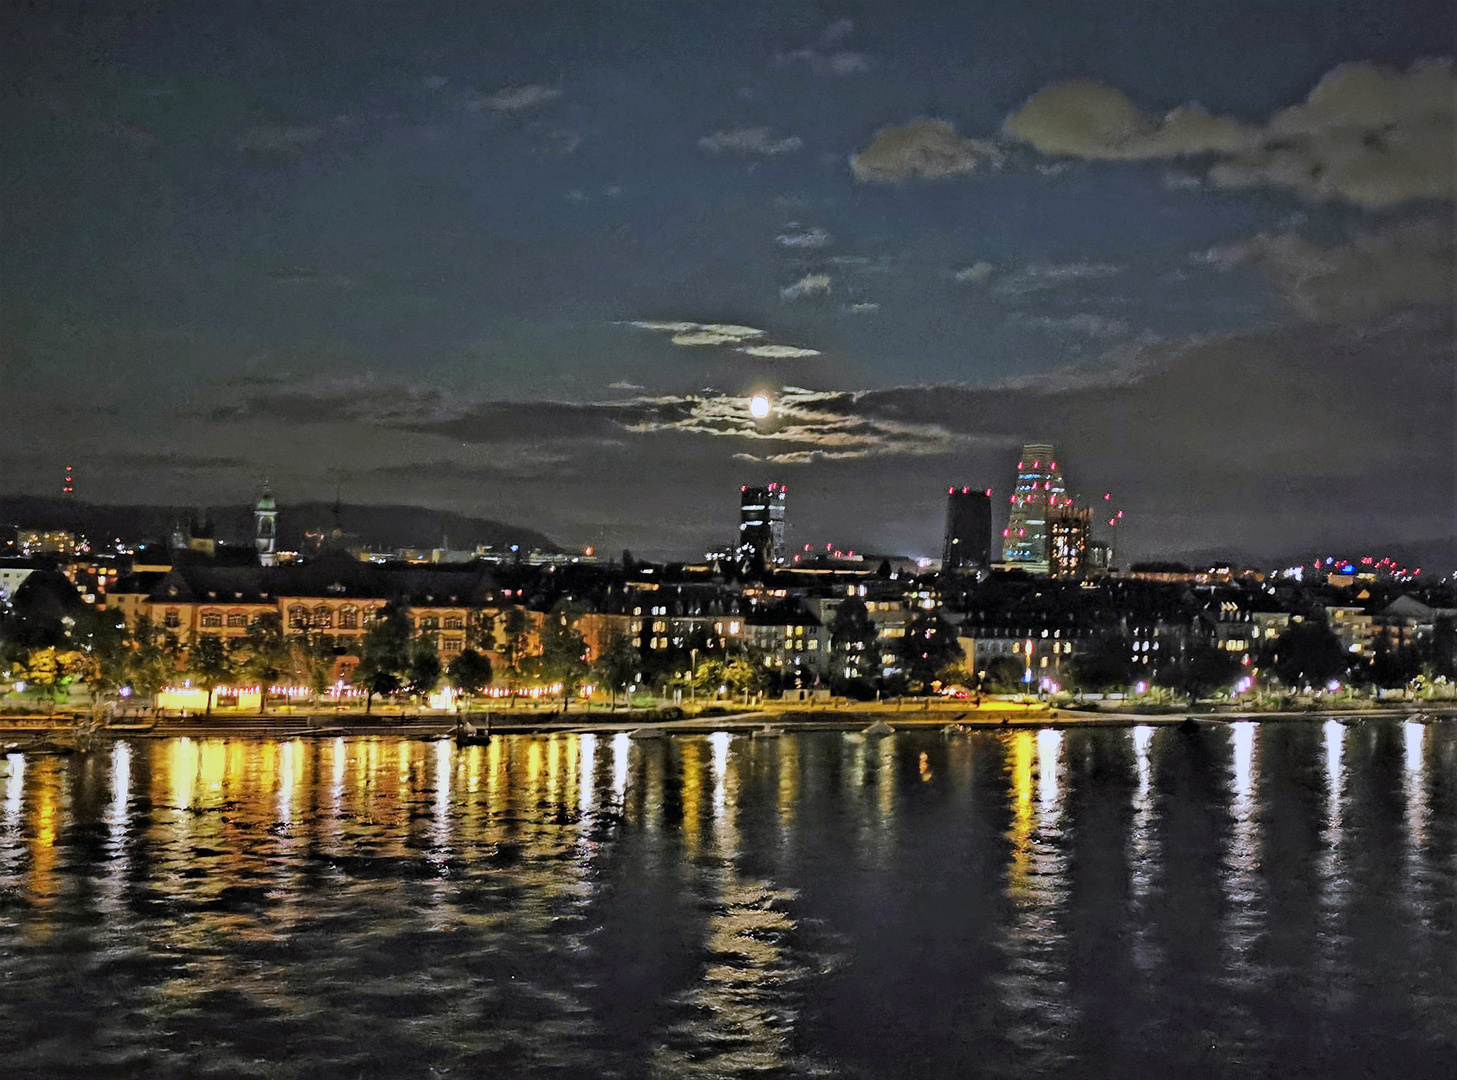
(761,525)
(1039,490)
(968,543)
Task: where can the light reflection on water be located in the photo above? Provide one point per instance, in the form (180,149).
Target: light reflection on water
(1213,901)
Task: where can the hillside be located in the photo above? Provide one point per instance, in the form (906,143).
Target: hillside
(376,526)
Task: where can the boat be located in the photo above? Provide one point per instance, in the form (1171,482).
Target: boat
(768,731)
(472,734)
(878,729)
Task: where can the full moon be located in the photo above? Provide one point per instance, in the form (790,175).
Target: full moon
(759,406)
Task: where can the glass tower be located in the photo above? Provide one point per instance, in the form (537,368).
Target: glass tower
(1039,489)
(761,525)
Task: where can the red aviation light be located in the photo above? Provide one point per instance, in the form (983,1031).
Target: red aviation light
(989,493)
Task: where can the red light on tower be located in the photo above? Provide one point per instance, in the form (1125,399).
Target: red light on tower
(69,485)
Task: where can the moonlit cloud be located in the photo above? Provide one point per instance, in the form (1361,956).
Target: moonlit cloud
(516,99)
(778,352)
(279,140)
(809,423)
(1038,277)
(1391,267)
(759,141)
(841,63)
(805,238)
(1084,323)
(930,149)
(727,334)
(978,271)
(809,285)
(1366,134)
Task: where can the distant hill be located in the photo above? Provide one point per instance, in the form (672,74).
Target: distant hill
(384,527)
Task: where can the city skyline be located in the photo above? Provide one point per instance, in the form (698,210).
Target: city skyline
(533,265)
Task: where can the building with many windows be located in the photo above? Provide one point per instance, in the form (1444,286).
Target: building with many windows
(1039,491)
(761,526)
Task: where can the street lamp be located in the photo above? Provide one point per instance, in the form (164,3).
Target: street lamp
(692,675)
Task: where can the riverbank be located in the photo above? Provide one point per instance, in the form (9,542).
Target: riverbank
(775,718)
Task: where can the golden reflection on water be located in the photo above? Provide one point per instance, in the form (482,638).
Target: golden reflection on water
(1024,748)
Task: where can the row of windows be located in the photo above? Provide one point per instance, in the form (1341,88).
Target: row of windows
(301,617)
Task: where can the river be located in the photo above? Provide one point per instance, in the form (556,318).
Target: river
(1251,899)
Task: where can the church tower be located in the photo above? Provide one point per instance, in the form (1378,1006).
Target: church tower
(265,533)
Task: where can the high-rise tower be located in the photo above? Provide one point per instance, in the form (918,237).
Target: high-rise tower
(761,525)
(968,530)
(265,532)
(1039,489)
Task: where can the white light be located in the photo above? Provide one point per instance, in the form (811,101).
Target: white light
(759,406)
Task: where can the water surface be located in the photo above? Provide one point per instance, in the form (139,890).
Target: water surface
(1273,899)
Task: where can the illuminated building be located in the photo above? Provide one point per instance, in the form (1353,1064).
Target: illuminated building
(968,530)
(761,525)
(1067,541)
(265,532)
(1039,489)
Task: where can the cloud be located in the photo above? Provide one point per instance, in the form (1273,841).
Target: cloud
(977,271)
(279,140)
(516,99)
(752,140)
(691,333)
(1084,323)
(823,58)
(743,339)
(1367,134)
(1038,277)
(805,238)
(862,308)
(1080,118)
(841,62)
(809,285)
(778,352)
(805,425)
(1370,135)
(930,149)
(1409,263)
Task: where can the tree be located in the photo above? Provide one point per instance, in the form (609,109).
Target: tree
(313,654)
(515,648)
(853,639)
(1307,653)
(1104,663)
(422,673)
(480,633)
(744,675)
(563,652)
(266,654)
(384,655)
(151,664)
(470,673)
(617,663)
(1203,667)
(1442,650)
(1004,675)
(929,647)
(211,664)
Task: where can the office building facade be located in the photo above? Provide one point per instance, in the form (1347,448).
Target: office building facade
(1039,489)
(968,543)
(761,525)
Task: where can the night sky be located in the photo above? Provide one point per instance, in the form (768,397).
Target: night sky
(528,261)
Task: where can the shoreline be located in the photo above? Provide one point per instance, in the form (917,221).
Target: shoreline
(788,721)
